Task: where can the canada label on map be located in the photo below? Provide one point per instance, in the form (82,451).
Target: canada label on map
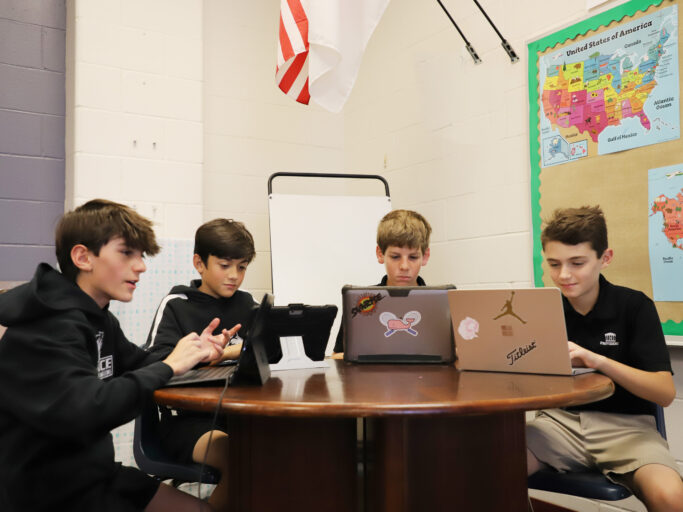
(665,231)
(615,91)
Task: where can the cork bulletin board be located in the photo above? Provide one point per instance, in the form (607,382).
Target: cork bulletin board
(603,155)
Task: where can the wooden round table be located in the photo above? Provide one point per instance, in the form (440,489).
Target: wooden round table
(383,437)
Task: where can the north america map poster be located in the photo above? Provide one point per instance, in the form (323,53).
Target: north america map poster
(665,231)
(618,179)
(611,92)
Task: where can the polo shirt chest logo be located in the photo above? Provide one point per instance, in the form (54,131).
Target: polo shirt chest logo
(610,339)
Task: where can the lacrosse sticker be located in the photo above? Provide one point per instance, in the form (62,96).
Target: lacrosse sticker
(395,324)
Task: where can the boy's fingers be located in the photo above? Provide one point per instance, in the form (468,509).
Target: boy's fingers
(234,329)
(218,341)
(229,333)
(191,336)
(208,331)
(215,354)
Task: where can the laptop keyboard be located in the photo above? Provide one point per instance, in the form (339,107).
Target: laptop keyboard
(207,374)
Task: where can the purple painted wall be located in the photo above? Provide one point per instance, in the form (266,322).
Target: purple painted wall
(32,102)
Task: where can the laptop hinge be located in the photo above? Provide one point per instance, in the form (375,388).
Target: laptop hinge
(399,358)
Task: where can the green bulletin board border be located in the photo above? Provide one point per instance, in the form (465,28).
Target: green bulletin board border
(581,28)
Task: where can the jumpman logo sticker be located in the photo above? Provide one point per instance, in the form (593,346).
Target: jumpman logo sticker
(507,309)
(395,324)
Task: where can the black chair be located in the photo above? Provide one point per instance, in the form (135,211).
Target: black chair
(151,458)
(591,485)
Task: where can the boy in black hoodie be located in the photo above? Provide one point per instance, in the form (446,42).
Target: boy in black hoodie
(68,375)
(223,249)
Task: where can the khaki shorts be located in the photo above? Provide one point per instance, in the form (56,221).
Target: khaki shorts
(614,444)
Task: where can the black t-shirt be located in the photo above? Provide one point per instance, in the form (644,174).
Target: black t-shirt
(624,326)
(339,343)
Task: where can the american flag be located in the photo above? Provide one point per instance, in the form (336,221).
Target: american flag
(292,51)
(320,47)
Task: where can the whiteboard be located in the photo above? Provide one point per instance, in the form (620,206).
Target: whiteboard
(320,243)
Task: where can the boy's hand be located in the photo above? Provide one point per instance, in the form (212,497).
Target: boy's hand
(194,348)
(218,340)
(657,387)
(582,357)
(231,351)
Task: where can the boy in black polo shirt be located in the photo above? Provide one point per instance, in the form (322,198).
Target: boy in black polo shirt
(403,249)
(617,331)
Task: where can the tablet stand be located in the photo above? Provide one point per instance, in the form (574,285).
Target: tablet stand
(294,357)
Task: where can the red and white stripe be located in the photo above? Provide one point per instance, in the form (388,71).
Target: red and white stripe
(291,73)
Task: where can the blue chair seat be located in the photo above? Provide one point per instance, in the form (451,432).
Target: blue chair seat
(591,485)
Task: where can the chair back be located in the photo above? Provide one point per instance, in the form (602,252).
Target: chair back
(152,459)
(659,417)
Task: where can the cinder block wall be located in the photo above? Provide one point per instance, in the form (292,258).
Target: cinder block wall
(134,108)
(32,36)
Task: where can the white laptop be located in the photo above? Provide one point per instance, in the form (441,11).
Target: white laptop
(511,330)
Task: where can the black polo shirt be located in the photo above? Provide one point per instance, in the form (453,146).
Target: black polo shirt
(624,326)
(339,344)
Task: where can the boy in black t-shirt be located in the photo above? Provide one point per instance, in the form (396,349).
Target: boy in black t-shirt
(617,331)
(222,251)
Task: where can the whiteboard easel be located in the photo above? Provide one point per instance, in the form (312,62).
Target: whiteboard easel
(319,243)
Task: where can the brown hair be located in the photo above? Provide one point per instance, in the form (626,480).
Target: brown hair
(224,238)
(96,222)
(573,226)
(403,228)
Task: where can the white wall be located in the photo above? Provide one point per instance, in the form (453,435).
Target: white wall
(450,136)
(134,108)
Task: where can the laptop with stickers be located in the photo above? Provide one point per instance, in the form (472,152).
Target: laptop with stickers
(511,330)
(397,324)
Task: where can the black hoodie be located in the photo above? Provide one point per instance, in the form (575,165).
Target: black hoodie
(68,375)
(185,309)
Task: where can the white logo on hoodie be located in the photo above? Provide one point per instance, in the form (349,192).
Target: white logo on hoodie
(105,365)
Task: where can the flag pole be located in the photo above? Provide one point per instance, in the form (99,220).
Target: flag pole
(469,47)
(506,46)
